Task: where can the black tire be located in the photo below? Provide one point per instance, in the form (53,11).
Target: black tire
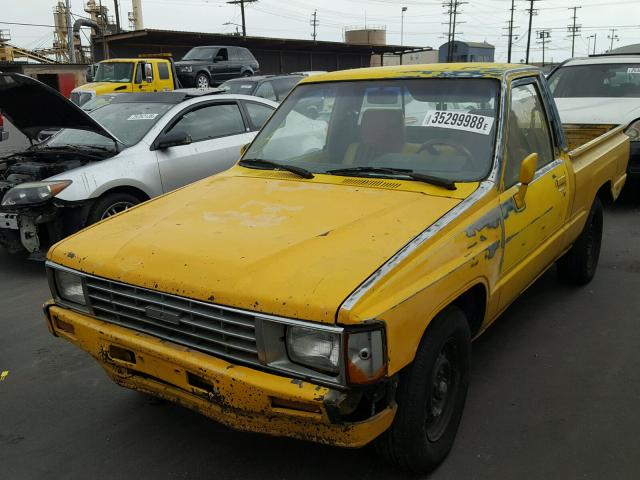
(111,204)
(202,81)
(428,415)
(578,266)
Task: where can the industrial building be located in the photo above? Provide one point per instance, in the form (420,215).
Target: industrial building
(467,52)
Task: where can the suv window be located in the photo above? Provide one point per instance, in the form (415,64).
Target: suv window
(528,132)
(222,52)
(258,113)
(200,53)
(265,90)
(283,86)
(163,71)
(211,121)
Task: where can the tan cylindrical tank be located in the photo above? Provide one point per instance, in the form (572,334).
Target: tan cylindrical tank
(136,10)
(366,36)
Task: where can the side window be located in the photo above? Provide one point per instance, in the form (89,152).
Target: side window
(528,132)
(211,121)
(222,52)
(139,72)
(258,113)
(265,90)
(163,71)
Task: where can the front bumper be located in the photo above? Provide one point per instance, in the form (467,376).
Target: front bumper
(239,397)
(187,79)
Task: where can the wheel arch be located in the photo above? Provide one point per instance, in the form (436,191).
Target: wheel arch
(606,193)
(131,190)
(473,302)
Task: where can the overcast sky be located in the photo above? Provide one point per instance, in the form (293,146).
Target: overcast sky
(423,21)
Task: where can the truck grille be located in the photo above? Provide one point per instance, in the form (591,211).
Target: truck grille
(211,329)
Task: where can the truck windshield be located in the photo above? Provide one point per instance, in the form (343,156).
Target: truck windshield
(444,128)
(596,80)
(129,122)
(118,72)
(200,53)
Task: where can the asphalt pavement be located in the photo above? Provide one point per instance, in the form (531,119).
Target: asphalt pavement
(555,394)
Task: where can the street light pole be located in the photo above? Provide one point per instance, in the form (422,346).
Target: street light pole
(404,9)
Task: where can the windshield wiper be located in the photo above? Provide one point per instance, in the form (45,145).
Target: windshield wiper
(269,165)
(421,177)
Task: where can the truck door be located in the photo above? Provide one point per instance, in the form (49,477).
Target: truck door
(217,131)
(533,231)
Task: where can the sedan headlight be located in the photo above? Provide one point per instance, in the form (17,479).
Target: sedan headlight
(316,349)
(33,192)
(69,287)
(633,131)
(186,69)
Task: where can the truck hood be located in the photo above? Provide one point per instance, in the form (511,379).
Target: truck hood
(32,107)
(599,111)
(103,87)
(285,247)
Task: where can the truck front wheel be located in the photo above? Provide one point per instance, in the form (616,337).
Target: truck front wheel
(578,265)
(431,396)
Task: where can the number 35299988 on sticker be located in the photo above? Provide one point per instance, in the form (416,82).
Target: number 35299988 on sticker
(469,122)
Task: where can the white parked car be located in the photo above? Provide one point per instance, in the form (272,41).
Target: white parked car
(134,147)
(602,91)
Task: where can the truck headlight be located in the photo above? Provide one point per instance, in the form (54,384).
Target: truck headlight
(316,349)
(633,131)
(33,192)
(69,287)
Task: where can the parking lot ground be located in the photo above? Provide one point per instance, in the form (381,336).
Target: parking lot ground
(555,394)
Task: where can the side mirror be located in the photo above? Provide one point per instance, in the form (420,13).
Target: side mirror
(148,72)
(244,148)
(218,58)
(527,174)
(172,139)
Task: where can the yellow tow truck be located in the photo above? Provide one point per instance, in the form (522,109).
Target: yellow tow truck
(127,75)
(328,287)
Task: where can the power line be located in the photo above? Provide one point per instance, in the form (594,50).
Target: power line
(574,30)
(241,3)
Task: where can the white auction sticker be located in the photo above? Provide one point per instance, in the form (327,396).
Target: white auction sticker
(634,70)
(469,122)
(246,86)
(143,116)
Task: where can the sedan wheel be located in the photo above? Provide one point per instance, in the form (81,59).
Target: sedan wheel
(116,208)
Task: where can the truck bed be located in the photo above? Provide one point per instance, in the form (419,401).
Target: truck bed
(598,153)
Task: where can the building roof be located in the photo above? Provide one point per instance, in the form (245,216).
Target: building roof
(472,44)
(193,39)
(435,70)
(627,49)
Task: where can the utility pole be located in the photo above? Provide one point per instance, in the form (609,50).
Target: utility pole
(574,30)
(449,6)
(117,10)
(513,7)
(241,3)
(595,39)
(314,23)
(613,37)
(544,38)
(453,6)
(532,12)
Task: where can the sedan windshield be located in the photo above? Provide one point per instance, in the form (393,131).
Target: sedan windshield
(599,81)
(441,128)
(129,122)
(118,72)
(244,87)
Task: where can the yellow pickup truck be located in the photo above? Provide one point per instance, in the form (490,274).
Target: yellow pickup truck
(327,287)
(122,75)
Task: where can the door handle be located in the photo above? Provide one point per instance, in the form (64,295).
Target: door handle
(561,182)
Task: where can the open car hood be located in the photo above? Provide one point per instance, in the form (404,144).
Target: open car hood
(32,107)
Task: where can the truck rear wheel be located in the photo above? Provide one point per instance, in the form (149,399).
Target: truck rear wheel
(578,266)
(431,396)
